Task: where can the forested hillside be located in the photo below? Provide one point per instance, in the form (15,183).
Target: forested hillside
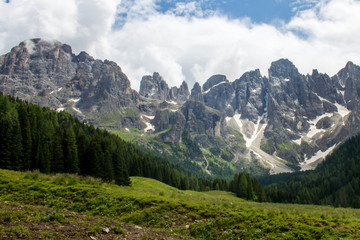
(336,181)
(54,142)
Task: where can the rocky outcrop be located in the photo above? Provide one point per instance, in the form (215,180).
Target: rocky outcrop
(283,122)
(181,94)
(250,95)
(349,78)
(154,87)
(49,74)
(199,119)
(196,94)
(218,93)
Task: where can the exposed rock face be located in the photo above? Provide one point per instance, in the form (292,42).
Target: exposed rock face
(196,94)
(154,87)
(166,119)
(250,95)
(199,119)
(282,122)
(349,78)
(218,93)
(49,74)
(181,94)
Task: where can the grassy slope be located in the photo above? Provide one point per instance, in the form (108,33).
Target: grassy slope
(63,206)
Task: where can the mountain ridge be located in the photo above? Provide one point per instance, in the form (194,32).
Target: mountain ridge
(284,122)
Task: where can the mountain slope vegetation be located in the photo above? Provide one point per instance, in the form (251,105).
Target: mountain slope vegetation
(336,181)
(88,205)
(35,138)
(283,122)
(39,138)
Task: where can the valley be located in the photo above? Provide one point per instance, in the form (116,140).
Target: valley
(217,136)
(283,122)
(34,205)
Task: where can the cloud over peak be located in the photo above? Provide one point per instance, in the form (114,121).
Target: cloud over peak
(187,41)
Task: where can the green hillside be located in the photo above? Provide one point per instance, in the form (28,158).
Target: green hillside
(36,138)
(336,181)
(33,205)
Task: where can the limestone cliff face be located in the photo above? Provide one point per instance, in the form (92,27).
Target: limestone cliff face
(284,121)
(49,74)
(155,87)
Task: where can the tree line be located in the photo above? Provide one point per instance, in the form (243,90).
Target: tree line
(34,137)
(336,181)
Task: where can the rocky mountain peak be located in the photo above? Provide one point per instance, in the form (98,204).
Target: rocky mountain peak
(36,56)
(214,80)
(286,115)
(47,73)
(196,93)
(184,87)
(283,69)
(350,66)
(349,71)
(218,93)
(326,87)
(181,94)
(250,95)
(154,87)
(84,57)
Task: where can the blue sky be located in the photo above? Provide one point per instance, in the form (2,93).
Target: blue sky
(257,10)
(192,40)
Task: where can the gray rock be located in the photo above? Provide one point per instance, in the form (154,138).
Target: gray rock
(218,93)
(49,74)
(181,94)
(154,87)
(250,95)
(289,104)
(196,94)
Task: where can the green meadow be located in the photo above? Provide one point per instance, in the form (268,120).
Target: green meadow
(38,206)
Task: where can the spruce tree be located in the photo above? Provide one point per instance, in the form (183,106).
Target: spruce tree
(71,161)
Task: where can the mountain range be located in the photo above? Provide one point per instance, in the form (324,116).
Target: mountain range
(283,122)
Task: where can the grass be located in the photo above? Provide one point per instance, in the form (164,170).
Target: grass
(33,205)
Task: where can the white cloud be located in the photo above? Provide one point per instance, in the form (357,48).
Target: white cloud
(188,42)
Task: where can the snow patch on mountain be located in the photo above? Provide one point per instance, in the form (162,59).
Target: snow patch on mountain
(343,111)
(172,102)
(205,92)
(308,164)
(313,130)
(258,128)
(149,117)
(74,100)
(253,133)
(55,91)
(149,127)
(297,141)
(77,110)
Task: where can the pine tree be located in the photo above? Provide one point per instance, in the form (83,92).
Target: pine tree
(26,136)
(71,161)
(57,165)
